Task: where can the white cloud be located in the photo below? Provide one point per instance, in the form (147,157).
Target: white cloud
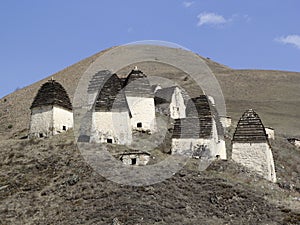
(292,39)
(187,4)
(129,29)
(210,19)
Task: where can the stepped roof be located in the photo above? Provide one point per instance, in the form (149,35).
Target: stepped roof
(191,127)
(52,93)
(164,95)
(199,107)
(111,96)
(250,128)
(137,84)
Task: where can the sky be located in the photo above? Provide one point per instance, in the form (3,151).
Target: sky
(39,38)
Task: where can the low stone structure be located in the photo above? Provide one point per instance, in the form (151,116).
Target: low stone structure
(51,111)
(251,148)
(294,141)
(137,158)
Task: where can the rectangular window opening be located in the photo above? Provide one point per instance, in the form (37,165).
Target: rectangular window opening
(109,140)
(133,161)
(41,135)
(139,125)
(64,128)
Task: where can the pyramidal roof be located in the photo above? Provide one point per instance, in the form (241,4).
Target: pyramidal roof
(199,107)
(52,93)
(250,128)
(111,97)
(191,127)
(137,84)
(97,81)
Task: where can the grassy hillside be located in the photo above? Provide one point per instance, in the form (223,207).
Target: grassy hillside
(48,182)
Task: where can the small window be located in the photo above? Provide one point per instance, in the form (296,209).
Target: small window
(109,140)
(41,135)
(64,128)
(139,125)
(133,161)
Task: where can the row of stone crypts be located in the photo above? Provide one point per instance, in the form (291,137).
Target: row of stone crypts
(123,106)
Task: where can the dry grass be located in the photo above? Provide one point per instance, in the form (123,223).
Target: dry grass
(48,182)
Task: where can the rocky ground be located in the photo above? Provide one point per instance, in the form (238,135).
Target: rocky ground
(48,182)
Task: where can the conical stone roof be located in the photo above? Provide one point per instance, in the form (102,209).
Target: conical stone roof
(190,128)
(199,107)
(111,96)
(52,93)
(250,128)
(138,85)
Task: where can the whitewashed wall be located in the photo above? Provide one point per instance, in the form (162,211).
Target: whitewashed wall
(187,146)
(221,149)
(177,106)
(297,143)
(226,121)
(270,132)
(141,159)
(61,117)
(111,125)
(257,157)
(142,111)
(49,120)
(41,121)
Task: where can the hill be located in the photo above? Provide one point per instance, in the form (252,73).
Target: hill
(47,181)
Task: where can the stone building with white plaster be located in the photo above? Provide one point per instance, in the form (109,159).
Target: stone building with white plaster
(140,98)
(171,101)
(270,133)
(294,141)
(138,158)
(199,133)
(111,115)
(251,148)
(51,111)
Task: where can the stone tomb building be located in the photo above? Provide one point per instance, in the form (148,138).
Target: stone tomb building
(198,132)
(251,148)
(171,101)
(51,111)
(111,115)
(140,98)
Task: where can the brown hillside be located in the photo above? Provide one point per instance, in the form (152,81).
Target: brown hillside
(47,181)
(275,95)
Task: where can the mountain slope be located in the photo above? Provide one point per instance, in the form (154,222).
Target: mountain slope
(47,181)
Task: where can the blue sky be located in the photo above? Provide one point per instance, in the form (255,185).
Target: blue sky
(39,38)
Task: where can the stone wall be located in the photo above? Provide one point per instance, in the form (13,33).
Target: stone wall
(177,105)
(255,156)
(41,121)
(270,133)
(188,146)
(143,113)
(49,120)
(135,159)
(226,121)
(111,125)
(62,120)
